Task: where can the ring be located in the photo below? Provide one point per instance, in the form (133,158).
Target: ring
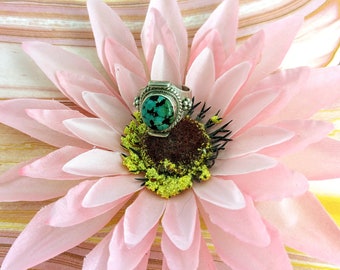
(162,105)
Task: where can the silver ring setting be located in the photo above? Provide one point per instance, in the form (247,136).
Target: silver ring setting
(162,105)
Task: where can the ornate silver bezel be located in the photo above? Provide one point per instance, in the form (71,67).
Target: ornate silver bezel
(179,98)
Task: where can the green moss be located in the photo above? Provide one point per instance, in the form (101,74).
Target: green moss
(164,177)
(167,186)
(216,119)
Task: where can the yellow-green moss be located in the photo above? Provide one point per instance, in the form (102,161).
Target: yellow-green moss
(165,178)
(216,119)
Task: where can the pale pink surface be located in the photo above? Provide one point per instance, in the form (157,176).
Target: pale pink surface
(276,148)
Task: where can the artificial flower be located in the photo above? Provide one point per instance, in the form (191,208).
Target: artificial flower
(239,162)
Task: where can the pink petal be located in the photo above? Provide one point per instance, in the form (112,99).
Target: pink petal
(98,256)
(161,35)
(12,173)
(50,166)
(201,75)
(305,225)
(40,242)
(288,78)
(74,85)
(141,216)
(170,12)
(164,265)
(110,109)
(14,187)
(246,225)
(287,83)
(111,189)
(107,24)
(163,68)
(318,161)
(143,264)
(48,58)
(13,114)
(312,97)
(68,211)
(124,257)
(213,41)
(249,51)
(241,255)
(33,189)
(95,132)
(179,220)
(219,192)
(272,184)
(178,258)
(206,261)
(226,86)
(96,162)
(129,85)
(255,139)
(224,19)
(53,119)
(243,165)
(116,53)
(276,47)
(306,133)
(248,108)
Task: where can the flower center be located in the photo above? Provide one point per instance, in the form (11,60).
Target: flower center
(169,165)
(185,143)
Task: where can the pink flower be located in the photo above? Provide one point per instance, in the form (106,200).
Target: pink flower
(253,194)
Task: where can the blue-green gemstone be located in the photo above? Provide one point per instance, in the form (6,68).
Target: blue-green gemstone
(158,112)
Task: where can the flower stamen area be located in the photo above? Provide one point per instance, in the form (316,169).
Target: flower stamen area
(169,165)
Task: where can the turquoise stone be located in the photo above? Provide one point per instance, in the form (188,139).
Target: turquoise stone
(158,112)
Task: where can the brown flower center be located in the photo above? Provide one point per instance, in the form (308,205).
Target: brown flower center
(183,144)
